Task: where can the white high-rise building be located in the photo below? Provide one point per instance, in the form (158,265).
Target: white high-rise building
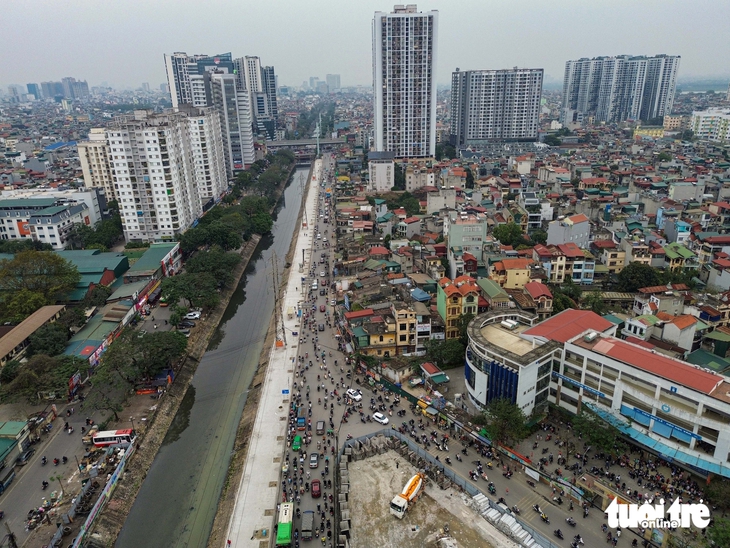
(495,105)
(712,124)
(231,104)
(404,81)
(159,165)
(333,82)
(615,89)
(95,165)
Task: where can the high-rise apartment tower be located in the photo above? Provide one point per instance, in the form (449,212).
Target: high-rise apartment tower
(404,81)
(495,105)
(615,89)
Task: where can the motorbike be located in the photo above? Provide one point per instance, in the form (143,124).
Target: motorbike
(531,483)
(64,459)
(458,457)
(579,540)
(516,510)
(570,521)
(492,489)
(544,518)
(559,500)
(502,501)
(448,461)
(558,533)
(44,460)
(536,508)
(55,462)
(44,485)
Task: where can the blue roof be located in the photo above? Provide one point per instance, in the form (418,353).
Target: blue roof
(419,294)
(60,144)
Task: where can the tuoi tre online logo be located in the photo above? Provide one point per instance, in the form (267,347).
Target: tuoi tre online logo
(655,516)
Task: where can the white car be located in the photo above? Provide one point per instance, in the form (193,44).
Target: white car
(354,394)
(379,417)
(322,274)
(192,315)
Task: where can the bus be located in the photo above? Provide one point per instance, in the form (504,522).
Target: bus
(113,437)
(284,529)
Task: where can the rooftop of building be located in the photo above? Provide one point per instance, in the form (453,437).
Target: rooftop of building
(567,324)
(508,340)
(27,327)
(151,261)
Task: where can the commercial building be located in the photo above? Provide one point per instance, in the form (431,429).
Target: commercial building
(35,91)
(95,164)
(404,81)
(711,125)
(495,105)
(260,83)
(615,89)
(234,113)
(153,164)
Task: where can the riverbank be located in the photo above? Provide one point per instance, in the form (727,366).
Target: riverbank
(114,515)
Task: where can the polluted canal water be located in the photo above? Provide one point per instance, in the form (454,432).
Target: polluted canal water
(178,499)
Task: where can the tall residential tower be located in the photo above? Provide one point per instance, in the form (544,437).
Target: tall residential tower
(495,105)
(404,81)
(615,89)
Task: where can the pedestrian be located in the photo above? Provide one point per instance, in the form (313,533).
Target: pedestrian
(397,464)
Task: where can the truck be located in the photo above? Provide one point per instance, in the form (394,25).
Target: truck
(301,420)
(409,494)
(307,525)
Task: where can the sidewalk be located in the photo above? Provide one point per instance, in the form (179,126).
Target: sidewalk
(257,495)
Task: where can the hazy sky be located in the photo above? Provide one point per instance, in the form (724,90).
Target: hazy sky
(122,42)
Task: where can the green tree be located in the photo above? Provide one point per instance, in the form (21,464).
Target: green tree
(469,178)
(593,300)
(42,375)
(561,302)
(463,323)
(216,262)
(42,272)
(9,371)
(718,491)
(445,354)
(72,317)
(505,422)
(22,304)
(636,275)
(199,289)
(49,339)
(601,436)
(664,157)
(508,234)
(552,140)
(97,296)
(718,535)
(539,237)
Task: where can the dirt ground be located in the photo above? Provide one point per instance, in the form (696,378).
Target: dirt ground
(376,480)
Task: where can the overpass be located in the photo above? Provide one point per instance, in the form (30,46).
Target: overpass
(305,149)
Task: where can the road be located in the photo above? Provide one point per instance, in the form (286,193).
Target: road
(25,492)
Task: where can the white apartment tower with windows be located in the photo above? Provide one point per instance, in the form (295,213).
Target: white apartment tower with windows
(615,89)
(161,168)
(404,81)
(495,105)
(95,165)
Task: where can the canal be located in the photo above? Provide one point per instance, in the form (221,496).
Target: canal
(178,499)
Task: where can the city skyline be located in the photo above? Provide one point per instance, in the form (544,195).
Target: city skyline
(337,40)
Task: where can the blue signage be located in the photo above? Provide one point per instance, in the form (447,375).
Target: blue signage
(576,383)
(347,302)
(285,391)
(666,423)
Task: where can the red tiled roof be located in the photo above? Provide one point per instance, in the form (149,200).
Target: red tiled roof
(537,290)
(663,288)
(683,322)
(359,314)
(580,218)
(516,264)
(571,250)
(657,364)
(569,323)
(430,368)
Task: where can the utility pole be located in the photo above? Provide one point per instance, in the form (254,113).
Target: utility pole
(319,131)
(278,316)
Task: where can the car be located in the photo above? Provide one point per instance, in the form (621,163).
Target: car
(24,457)
(297,443)
(185,332)
(322,274)
(313,460)
(325,240)
(186,324)
(316,489)
(194,315)
(323,291)
(321,327)
(322,308)
(333,302)
(379,417)
(354,394)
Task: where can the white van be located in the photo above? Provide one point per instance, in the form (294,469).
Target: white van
(319,236)
(314,286)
